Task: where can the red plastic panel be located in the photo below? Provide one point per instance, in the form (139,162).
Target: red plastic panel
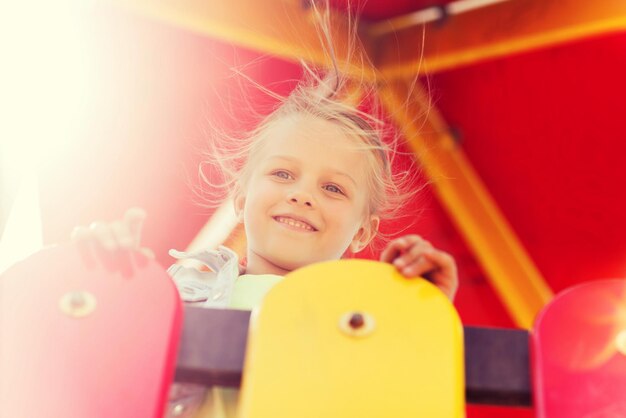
(540,129)
(579,353)
(115,361)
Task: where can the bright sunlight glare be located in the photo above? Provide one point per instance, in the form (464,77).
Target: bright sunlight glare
(47,74)
(22,234)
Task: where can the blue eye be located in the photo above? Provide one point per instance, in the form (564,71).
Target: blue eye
(282,174)
(333,189)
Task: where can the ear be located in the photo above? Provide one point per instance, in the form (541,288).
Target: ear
(239,202)
(367,231)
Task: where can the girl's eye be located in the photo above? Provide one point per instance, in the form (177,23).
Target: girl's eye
(333,189)
(282,174)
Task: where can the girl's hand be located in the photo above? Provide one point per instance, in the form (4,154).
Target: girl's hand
(107,241)
(413,256)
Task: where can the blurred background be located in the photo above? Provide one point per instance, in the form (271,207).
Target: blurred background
(107,106)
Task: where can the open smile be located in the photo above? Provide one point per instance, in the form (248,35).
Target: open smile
(294,224)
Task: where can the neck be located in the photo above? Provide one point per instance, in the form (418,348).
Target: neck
(259,265)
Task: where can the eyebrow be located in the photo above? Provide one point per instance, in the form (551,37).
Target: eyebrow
(295,160)
(341,173)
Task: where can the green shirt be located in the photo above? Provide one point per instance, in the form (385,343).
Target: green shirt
(250,289)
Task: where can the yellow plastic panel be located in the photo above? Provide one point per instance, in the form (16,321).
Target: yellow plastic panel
(300,363)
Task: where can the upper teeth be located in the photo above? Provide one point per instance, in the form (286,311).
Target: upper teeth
(293,222)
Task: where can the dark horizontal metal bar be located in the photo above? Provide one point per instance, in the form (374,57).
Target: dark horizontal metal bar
(497,366)
(213,347)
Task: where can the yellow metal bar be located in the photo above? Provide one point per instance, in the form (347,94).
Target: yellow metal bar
(285,29)
(509,268)
(498,30)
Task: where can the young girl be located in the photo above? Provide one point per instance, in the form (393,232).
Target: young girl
(314,186)
(311,184)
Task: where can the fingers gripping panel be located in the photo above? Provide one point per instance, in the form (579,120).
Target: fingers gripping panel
(78,341)
(353,338)
(579,353)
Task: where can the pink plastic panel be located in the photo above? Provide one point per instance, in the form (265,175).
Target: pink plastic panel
(579,353)
(117,361)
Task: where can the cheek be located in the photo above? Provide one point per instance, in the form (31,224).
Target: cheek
(345,219)
(260,198)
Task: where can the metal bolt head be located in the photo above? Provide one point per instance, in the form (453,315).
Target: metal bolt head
(357,324)
(356,321)
(77,304)
(77,300)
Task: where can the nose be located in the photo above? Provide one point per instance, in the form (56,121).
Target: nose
(300,197)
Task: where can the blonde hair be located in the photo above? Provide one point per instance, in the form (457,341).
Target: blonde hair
(327,95)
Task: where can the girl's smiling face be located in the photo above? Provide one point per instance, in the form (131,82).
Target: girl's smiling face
(306,198)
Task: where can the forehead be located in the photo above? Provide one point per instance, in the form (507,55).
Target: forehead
(314,140)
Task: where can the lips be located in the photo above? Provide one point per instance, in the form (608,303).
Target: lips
(295,222)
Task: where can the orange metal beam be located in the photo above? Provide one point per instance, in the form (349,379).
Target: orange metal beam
(284,29)
(494,31)
(509,268)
